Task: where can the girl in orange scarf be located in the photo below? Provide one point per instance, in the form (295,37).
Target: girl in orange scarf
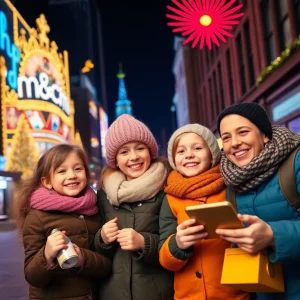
(194,155)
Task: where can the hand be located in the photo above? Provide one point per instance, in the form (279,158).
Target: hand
(109,231)
(187,236)
(55,242)
(257,236)
(80,257)
(130,240)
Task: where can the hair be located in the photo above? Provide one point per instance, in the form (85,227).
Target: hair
(47,164)
(175,145)
(107,170)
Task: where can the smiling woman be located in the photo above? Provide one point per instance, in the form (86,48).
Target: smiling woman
(253,153)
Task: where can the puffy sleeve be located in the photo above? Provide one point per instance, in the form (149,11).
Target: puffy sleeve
(171,257)
(37,272)
(287,232)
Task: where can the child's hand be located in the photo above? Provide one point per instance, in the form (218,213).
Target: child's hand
(130,240)
(188,235)
(55,242)
(109,231)
(80,257)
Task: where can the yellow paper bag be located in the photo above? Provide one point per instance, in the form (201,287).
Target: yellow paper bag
(251,272)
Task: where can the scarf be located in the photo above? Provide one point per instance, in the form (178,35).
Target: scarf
(264,165)
(119,190)
(84,203)
(203,185)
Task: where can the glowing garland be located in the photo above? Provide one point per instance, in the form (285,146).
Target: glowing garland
(204,21)
(285,54)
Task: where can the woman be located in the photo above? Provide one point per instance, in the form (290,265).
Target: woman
(129,203)
(253,152)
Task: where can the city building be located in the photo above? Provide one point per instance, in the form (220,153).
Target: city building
(261,63)
(123,105)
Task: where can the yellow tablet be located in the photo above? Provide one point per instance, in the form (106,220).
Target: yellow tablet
(220,215)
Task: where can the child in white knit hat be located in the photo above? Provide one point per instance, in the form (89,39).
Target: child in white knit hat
(194,155)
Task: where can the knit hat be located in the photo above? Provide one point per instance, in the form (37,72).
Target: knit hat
(251,111)
(126,129)
(202,131)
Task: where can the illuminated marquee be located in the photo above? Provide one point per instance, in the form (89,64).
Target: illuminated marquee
(34,83)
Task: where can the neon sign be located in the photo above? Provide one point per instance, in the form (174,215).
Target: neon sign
(11,50)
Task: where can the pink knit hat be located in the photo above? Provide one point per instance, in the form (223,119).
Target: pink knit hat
(127,129)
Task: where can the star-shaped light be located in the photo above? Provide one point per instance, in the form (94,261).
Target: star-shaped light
(204,21)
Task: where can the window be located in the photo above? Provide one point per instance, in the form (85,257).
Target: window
(249,54)
(241,63)
(297,15)
(230,80)
(295,125)
(268,31)
(283,23)
(221,87)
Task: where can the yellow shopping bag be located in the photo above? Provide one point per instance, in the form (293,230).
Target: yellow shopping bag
(251,272)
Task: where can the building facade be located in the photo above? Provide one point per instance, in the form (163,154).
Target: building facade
(261,63)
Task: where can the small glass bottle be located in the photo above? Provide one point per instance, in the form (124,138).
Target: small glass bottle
(67,258)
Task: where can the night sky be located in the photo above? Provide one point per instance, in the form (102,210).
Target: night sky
(135,33)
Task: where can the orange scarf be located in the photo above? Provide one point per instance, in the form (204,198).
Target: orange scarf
(203,185)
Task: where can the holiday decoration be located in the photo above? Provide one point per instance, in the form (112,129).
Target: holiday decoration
(285,54)
(23,155)
(204,21)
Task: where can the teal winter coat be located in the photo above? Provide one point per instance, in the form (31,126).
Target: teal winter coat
(268,203)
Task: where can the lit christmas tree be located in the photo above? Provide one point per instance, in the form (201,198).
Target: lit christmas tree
(23,155)
(123,105)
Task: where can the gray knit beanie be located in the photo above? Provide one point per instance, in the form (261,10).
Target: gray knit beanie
(202,131)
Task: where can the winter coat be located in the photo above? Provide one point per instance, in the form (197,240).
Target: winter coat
(268,203)
(53,282)
(136,275)
(197,269)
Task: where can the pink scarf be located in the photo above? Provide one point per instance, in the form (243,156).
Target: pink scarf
(44,199)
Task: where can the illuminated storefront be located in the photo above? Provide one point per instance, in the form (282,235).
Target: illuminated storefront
(36,109)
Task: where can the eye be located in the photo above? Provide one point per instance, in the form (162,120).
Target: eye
(61,171)
(141,148)
(180,151)
(198,148)
(123,152)
(225,138)
(243,132)
(78,169)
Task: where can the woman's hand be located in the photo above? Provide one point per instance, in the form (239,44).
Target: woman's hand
(109,231)
(130,240)
(257,236)
(188,235)
(80,257)
(55,242)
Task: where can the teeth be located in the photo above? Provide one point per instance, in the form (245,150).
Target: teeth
(191,165)
(135,166)
(71,184)
(240,153)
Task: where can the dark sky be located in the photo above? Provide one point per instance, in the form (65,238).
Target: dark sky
(135,33)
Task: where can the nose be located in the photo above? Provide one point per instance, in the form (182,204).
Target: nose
(71,174)
(235,141)
(134,155)
(189,154)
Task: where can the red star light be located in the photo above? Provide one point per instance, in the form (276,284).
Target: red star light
(204,21)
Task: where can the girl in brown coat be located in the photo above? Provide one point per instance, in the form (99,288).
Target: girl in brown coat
(58,196)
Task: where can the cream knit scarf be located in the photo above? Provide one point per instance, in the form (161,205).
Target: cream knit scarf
(120,190)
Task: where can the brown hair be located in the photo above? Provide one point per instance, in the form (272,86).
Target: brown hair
(106,171)
(175,145)
(47,164)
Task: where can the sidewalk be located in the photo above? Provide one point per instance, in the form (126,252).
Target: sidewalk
(12,283)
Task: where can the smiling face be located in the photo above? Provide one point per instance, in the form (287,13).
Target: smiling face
(69,179)
(191,155)
(133,159)
(242,139)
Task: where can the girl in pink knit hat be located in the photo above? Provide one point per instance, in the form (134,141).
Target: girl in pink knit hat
(129,201)
(58,196)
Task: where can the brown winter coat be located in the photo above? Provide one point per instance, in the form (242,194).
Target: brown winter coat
(56,283)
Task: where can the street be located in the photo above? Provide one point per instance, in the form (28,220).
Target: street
(12,283)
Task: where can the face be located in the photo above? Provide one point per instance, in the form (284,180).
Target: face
(133,159)
(69,179)
(192,155)
(242,140)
